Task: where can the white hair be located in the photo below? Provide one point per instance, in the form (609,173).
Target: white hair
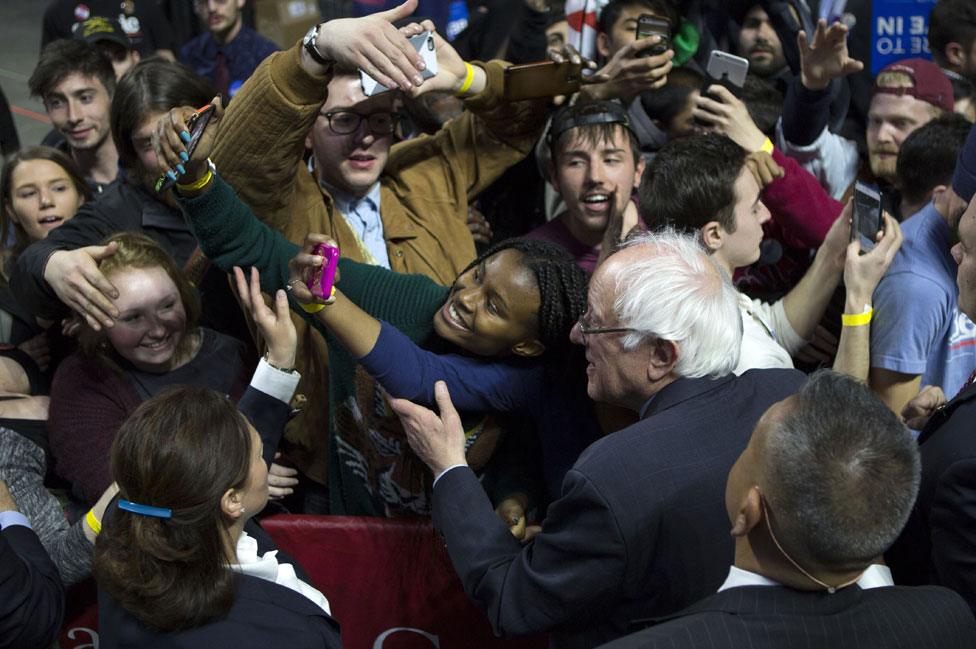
(677,292)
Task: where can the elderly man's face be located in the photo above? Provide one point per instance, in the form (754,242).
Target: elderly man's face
(613,374)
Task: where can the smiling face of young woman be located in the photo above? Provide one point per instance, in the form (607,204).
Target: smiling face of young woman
(152,318)
(493,308)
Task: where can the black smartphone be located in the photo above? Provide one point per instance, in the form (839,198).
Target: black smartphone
(648,25)
(196,125)
(866,217)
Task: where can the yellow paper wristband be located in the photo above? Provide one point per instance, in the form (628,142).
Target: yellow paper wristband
(198,185)
(311,308)
(468,80)
(93,522)
(767,146)
(857,319)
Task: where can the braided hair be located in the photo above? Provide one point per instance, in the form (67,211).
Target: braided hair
(562,287)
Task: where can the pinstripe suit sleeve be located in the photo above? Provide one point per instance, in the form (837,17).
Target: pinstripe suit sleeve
(574,566)
(953,521)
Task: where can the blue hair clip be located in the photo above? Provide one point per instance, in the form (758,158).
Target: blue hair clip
(145,510)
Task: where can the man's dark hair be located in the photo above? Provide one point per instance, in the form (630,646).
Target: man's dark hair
(592,134)
(152,85)
(840,472)
(927,157)
(690,182)
(664,104)
(764,103)
(611,13)
(62,58)
(562,288)
(951,21)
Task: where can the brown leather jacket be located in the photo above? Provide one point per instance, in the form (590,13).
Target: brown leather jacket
(425,189)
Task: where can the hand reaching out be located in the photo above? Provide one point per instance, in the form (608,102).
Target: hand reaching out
(727,114)
(826,58)
(918,411)
(276,326)
(438,440)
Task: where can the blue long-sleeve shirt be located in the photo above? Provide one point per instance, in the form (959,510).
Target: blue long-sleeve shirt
(565,421)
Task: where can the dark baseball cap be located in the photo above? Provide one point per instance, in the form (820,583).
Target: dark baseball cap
(929,83)
(100,28)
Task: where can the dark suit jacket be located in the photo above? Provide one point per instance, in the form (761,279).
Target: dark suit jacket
(775,617)
(264,614)
(938,544)
(31,593)
(639,531)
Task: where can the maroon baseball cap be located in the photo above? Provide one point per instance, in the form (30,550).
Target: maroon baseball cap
(929,83)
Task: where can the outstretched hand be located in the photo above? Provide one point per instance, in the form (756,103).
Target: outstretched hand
(276,326)
(171,137)
(373,45)
(75,278)
(438,440)
(627,73)
(862,273)
(826,58)
(727,114)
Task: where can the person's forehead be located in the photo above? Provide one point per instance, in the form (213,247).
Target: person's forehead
(888,106)
(37,171)
(746,187)
(77,81)
(757,14)
(346,92)
(578,140)
(139,285)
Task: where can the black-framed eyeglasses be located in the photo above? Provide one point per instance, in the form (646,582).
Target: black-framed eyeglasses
(586,330)
(344,122)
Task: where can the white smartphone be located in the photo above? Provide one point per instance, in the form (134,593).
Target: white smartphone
(424,45)
(723,66)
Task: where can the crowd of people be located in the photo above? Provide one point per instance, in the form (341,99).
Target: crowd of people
(629,347)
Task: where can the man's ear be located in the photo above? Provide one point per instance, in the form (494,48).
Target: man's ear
(938,191)
(748,514)
(713,235)
(529,348)
(663,358)
(955,54)
(232,504)
(603,45)
(309,142)
(638,170)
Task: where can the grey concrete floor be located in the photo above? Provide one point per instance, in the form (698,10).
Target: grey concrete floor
(20,41)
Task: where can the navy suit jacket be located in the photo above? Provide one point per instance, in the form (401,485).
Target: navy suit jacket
(774,617)
(264,614)
(31,593)
(640,529)
(938,544)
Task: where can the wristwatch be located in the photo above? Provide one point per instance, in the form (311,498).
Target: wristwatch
(309,43)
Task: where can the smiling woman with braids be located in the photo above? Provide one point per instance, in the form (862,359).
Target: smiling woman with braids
(499,335)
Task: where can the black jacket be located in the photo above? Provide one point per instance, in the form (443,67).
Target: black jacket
(31,592)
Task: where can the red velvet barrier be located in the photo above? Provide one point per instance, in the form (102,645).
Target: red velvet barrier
(390,583)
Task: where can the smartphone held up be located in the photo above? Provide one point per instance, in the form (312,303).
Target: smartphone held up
(196,125)
(323,278)
(649,25)
(866,221)
(424,45)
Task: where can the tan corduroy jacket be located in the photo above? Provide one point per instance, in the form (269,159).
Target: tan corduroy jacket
(425,190)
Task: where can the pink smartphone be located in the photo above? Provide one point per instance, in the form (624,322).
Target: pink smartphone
(321,282)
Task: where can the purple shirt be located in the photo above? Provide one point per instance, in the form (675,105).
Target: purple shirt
(555,231)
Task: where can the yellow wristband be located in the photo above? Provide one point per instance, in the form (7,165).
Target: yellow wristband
(857,319)
(767,146)
(311,308)
(468,79)
(93,522)
(198,185)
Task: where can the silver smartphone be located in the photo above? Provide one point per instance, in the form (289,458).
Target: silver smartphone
(730,68)
(424,45)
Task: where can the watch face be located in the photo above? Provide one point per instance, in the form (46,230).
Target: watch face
(310,35)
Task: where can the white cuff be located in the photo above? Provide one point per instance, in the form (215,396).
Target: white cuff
(274,382)
(441,474)
(10,518)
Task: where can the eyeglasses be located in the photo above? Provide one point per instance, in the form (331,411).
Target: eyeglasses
(586,330)
(344,122)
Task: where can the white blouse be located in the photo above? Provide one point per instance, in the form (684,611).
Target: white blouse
(267,567)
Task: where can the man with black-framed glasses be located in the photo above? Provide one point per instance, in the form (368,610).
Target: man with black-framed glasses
(404,207)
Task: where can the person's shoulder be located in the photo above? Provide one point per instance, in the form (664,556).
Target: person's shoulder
(781,377)
(943,604)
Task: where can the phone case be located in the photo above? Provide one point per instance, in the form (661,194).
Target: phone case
(196,124)
(424,45)
(322,281)
(648,25)
(866,215)
(725,66)
(544,79)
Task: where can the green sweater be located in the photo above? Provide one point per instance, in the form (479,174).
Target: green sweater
(369,462)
